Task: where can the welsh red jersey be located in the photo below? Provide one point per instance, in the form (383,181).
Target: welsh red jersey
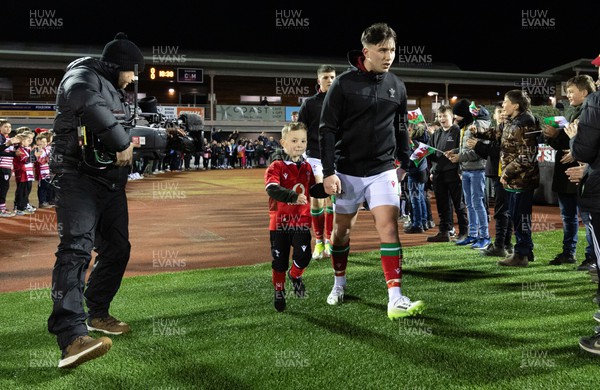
(298,177)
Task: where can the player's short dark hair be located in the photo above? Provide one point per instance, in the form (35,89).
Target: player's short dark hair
(377,33)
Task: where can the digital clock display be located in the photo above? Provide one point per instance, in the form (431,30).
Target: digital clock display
(157,73)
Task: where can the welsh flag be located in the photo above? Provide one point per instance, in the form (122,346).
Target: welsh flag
(415,116)
(558,122)
(421,152)
(473,109)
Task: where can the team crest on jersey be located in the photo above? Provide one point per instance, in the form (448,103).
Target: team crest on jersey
(303,248)
(6,177)
(393,183)
(392,92)
(285,175)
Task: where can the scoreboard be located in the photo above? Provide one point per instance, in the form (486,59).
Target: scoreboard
(180,75)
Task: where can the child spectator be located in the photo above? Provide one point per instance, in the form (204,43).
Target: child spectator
(7,154)
(487,145)
(23,167)
(520,172)
(42,170)
(287,181)
(578,88)
(417,177)
(447,185)
(472,120)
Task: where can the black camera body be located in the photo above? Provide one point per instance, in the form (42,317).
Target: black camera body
(184,134)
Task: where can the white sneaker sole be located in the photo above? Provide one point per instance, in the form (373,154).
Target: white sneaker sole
(84,356)
(92,329)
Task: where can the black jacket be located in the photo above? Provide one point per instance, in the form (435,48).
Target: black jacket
(560,181)
(88,94)
(585,147)
(444,141)
(310,115)
(363,130)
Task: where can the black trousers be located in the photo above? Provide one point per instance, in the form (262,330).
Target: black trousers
(504,226)
(5,175)
(298,238)
(22,195)
(90,217)
(447,195)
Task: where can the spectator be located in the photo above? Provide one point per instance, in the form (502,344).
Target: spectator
(472,168)
(585,148)
(578,88)
(24,173)
(417,178)
(487,145)
(7,155)
(520,172)
(447,185)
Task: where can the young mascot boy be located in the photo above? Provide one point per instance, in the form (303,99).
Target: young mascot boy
(288,180)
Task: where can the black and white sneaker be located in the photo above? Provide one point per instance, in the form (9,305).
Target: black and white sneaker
(591,344)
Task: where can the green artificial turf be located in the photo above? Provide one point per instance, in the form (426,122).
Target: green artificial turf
(485,327)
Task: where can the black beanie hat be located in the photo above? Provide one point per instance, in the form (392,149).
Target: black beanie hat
(123,52)
(462,109)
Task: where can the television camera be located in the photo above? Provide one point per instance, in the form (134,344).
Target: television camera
(160,135)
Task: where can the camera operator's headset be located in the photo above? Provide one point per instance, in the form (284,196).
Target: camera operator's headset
(96,158)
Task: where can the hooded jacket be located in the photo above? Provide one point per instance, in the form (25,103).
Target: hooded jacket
(88,95)
(310,115)
(468,158)
(518,153)
(585,147)
(362,130)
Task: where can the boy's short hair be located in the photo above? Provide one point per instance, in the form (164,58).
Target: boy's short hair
(443,108)
(292,126)
(583,83)
(377,33)
(4,121)
(325,69)
(520,97)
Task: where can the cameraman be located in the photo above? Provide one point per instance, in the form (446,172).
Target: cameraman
(91,203)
